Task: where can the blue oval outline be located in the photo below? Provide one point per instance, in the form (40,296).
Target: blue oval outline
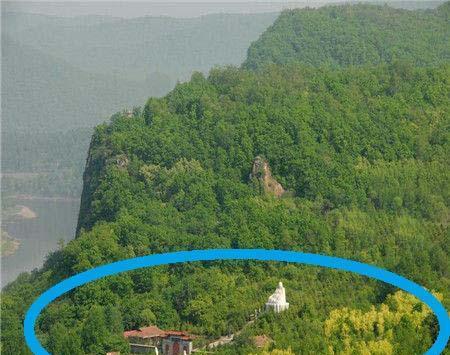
(236,254)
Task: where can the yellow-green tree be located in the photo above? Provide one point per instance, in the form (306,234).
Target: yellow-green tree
(382,329)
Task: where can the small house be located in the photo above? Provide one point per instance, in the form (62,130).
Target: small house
(152,340)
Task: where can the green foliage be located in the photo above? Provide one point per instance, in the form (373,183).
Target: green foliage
(63,341)
(343,136)
(101,332)
(396,326)
(357,149)
(354,35)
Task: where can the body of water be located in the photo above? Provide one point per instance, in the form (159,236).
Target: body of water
(56,220)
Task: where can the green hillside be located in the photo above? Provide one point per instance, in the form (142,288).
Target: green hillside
(353,35)
(361,155)
(41,163)
(349,162)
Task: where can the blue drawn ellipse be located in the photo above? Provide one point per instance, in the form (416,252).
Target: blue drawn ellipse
(237,254)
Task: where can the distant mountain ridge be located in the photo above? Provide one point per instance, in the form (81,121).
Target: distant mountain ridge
(72,72)
(46,93)
(132,47)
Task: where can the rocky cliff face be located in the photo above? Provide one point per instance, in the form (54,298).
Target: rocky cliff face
(261,172)
(97,158)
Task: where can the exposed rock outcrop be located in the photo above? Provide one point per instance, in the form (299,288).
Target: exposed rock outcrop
(122,161)
(261,172)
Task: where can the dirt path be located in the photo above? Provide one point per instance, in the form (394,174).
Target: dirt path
(226,339)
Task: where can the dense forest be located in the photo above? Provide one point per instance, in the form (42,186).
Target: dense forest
(354,35)
(359,159)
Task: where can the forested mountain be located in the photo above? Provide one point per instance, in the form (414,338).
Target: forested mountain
(354,35)
(361,154)
(358,169)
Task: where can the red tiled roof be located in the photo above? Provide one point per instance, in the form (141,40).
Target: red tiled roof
(178,334)
(145,332)
(153,331)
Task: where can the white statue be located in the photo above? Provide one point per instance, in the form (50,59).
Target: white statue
(277,301)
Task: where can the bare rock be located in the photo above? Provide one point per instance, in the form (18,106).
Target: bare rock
(261,172)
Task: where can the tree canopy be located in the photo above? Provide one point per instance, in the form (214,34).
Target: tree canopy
(352,34)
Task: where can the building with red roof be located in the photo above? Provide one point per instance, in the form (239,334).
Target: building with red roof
(151,339)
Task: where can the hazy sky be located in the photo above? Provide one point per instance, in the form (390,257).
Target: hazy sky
(150,8)
(180,8)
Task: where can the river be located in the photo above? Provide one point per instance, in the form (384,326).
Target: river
(55,220)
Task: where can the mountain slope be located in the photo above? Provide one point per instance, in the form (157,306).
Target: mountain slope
(354,35)
(361,153)
(43,99)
